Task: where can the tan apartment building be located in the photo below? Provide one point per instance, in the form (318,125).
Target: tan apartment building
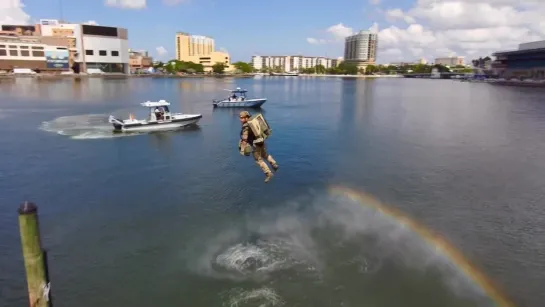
(201,50)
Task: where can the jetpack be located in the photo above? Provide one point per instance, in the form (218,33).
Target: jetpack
(260,128)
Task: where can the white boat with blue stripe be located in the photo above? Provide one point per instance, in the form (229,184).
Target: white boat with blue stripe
(160,118)
(238,99)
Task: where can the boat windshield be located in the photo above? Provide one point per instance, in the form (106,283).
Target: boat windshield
(241,96)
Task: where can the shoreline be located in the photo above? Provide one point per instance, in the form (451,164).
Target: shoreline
(350,76)
(125,76)
(116,76)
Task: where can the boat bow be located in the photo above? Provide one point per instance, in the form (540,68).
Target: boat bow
(115,121)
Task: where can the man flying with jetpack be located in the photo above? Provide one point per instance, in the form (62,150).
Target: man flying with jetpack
(253,134)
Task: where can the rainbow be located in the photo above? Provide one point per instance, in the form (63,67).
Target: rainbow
(439,243)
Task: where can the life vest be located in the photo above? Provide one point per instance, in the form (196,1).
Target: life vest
(251,137)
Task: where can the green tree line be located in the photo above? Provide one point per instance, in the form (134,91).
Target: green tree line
(351,69)
(174,66)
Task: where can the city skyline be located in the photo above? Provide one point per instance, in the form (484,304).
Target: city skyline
(407,29)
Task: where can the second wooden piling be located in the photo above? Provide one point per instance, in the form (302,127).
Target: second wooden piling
(35,265)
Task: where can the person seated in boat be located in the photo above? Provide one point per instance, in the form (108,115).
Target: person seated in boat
(158,114)
(234,97)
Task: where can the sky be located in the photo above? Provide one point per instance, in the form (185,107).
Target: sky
(407,29)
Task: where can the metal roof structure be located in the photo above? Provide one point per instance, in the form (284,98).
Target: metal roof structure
(152,104)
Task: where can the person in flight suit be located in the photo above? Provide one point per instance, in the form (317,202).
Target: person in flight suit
(259,150)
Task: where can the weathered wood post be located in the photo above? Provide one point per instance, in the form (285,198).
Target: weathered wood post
(35,264)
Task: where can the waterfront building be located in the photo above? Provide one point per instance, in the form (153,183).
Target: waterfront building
(30,52)
(139,60)
(91,47)
(20,30)
(526,62)
(287,63)
(361,49)
(403,64)
(336,62)
(450,61)
(201,50)
(55,45)
(400,64)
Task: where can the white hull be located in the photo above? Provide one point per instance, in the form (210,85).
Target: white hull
(169,126)
(174,121)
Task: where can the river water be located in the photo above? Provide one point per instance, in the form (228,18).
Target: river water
(391,192)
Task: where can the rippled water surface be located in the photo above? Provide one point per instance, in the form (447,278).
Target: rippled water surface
(391,192)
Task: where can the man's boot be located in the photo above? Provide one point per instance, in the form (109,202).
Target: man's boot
(272,162)
(268,177)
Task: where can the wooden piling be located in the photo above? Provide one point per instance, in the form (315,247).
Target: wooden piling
(35,264)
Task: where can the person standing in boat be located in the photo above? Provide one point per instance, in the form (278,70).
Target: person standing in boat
(259,149)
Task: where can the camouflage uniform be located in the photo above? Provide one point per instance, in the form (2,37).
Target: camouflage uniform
(259,150)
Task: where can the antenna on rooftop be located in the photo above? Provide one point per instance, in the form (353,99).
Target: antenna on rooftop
(60,10)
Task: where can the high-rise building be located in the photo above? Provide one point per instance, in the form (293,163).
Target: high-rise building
(199,49)
(361,49)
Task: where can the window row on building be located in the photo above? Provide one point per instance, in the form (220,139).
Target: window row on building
(21,50)
(102,52)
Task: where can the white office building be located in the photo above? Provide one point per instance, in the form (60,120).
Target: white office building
(92,47)
(290,63)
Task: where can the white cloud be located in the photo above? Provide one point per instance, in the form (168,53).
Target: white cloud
(416,51)
(91,22)
(448,15)
(127,4)
(11,12)
(161,51)
(438,28)
(340,31)
(471,28)
(393,51)
(315,41)
(393,15)
(374,28)
(374,2)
